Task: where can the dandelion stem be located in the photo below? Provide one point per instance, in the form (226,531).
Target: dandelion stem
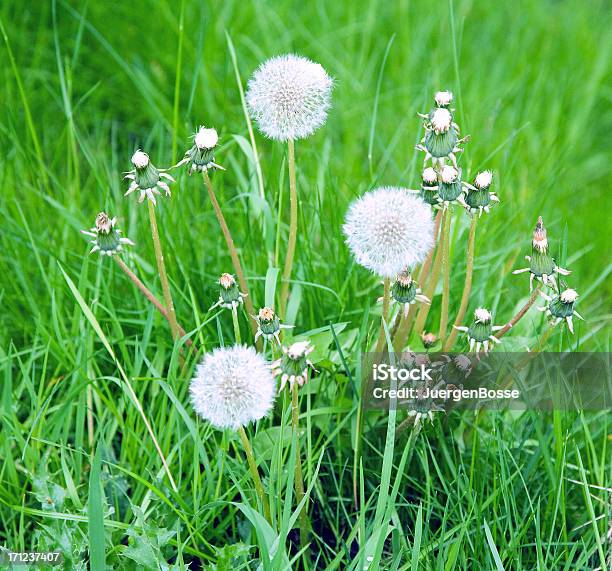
(520,313)
(236,326)
(255,473)
(403,329)
(467,288)
(430,289)
(445,276)
(147,293)
(163,276)
(293,223)
(385,315)
(299,482)
(232,250)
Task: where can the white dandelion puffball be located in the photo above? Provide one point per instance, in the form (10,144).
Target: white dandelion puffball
(232,387)
(483,179)
(482,315)
(206,138)
(441,120)
(449,174)
(443,98)
(289,97)
(569,296)
(430,176)
(140,159)
(389,229)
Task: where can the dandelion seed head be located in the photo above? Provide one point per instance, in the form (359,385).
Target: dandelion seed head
(449,174)
(430,176)
(569,296)
(104,224)
(299,349)
(289,97)
(483,180)
(388,230)
(206,138)
(441,120)
(232,387)
(482,315)
(443,98)
(266,313)
(140,159)
(226,281)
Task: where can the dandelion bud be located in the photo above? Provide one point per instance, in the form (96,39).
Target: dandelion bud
(429,188)
(479,198)
(428,339)
(480,332)
(289,97)
(388,229)
(561,307)
(106,238)
(230,296)
(542,265)
(232,387)
(293,366)
(200,157)
(147,179)
(443,98)
(268,324)
(450,187)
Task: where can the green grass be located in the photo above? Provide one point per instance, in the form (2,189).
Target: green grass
(85,83)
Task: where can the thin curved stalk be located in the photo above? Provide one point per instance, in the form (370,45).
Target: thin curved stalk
(384,318)
(293,224)
(248,450)
(248,300)
(163,276)
(467,288)
(147,293)
(520,313)
(299,481)
(445,277)
(237,336)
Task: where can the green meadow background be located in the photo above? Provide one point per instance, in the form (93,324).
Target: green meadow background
(85,83)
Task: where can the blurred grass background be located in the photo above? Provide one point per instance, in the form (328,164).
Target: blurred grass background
(86,83)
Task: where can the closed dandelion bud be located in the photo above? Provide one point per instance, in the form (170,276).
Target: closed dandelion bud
(232,387)
(146,178)
(561,307)
(230,296)
(480,332)
(293,367)
(450,187)
(542,265)
(405,291)
(106,238)
(268,324)
(429,186)
(200,157)
(428,339)
(479,198)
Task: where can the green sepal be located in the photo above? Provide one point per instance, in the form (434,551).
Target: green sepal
(478,198)
(269,327)
(231,294)
(429,196)
(404,294)
(560,308)
(441,145)
(108,242)
(480,331)
(541,263)
(148,177)
(449,192)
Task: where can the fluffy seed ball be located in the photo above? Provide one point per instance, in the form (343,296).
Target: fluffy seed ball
(389,229)
(289,97)
(232,387)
